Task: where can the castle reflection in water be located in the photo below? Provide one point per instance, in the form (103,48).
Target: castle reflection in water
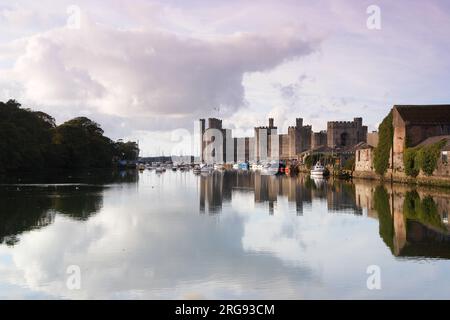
(413,222)
(217,188)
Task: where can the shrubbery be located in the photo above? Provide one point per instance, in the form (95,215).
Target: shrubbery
(423,158)
(411,163)
(383,150)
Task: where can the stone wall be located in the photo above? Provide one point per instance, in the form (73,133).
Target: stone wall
(346,133)
(364,159)
(318,139)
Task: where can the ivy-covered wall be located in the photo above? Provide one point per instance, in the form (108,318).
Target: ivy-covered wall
(382,151)
(422,158)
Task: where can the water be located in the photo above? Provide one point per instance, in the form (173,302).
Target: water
(223,236)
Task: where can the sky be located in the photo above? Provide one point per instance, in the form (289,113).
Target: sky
(147,70)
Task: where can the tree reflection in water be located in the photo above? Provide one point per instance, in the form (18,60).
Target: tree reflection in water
(31,206)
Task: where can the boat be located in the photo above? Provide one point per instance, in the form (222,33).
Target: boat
(160,169)
(244,166)
(174,167)
(319,170)
(140,166)
(236,166)
(219,166)
(196,169)
(273,168)
(206,168)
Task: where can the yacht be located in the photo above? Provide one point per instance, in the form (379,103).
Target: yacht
(196,169)
(160,169)
(219,166)
(244,166)
(319,170)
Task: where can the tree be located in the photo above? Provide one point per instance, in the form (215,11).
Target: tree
(32,140)
(126,150)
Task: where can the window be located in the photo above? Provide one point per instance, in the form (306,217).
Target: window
(444,157)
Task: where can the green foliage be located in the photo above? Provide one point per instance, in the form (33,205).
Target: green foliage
(428,157)
(312,159)
(127,150)
(411,163)
(382,151)
(381,205)
(425,158)
(425,211)
(349,164)
(31,140)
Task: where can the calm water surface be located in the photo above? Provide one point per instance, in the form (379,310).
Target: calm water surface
(222,236)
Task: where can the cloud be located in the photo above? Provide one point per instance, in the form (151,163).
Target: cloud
(147,73)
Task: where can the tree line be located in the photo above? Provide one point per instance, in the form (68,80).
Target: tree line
(32,140)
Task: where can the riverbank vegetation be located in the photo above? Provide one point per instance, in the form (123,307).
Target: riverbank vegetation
(31,140)
(383,150)
(422,158)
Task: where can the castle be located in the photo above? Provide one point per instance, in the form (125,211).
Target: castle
(218,145)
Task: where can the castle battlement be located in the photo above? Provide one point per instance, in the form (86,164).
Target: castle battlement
(265,127)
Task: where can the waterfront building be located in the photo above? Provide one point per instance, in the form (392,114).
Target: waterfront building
(413,124)
(414,127)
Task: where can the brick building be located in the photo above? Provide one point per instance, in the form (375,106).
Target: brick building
(414,124)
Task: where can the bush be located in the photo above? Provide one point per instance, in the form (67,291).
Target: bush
(411,163)
(349,164)
(424,158)
(382,152)
(428,157)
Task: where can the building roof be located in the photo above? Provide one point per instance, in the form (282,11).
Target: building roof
(363,145)
(436,139)
(436,114)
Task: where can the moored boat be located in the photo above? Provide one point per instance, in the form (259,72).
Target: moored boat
(319,170)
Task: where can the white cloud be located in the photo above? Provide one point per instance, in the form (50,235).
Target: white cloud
(147,74)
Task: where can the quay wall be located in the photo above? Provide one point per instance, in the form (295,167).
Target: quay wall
(421,180)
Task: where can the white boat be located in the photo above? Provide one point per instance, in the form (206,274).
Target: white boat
(319,170)
(236,166)
(271,168)
(160,169)
(219,166)
(196,169)
(206,168)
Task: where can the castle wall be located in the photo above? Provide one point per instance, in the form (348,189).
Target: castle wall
(346,133)
(318,139)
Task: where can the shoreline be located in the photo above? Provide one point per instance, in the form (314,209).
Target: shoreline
(432,181)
